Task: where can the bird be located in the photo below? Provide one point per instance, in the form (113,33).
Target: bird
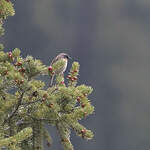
(64,57)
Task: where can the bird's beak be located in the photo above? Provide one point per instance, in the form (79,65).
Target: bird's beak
(69,57)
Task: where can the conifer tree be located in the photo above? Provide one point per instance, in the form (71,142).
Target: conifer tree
(27,103)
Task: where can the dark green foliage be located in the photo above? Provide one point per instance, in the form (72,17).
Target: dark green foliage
(27,104)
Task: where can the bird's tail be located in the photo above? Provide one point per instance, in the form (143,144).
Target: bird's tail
(51,82)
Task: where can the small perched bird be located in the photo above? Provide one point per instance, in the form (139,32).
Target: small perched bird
(61,56)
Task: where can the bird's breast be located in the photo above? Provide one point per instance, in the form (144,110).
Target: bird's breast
(66,62)
(62,68)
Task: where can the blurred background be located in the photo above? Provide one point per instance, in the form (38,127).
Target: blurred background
(111,41)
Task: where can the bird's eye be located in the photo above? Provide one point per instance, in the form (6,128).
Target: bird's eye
(66,56)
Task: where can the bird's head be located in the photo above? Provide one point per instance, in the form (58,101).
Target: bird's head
(64,55)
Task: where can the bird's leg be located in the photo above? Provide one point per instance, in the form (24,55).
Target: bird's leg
(62,74)
(51,82)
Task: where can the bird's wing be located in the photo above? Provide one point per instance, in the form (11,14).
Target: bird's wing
(54,60)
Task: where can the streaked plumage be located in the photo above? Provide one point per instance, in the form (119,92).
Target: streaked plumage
(65,58)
